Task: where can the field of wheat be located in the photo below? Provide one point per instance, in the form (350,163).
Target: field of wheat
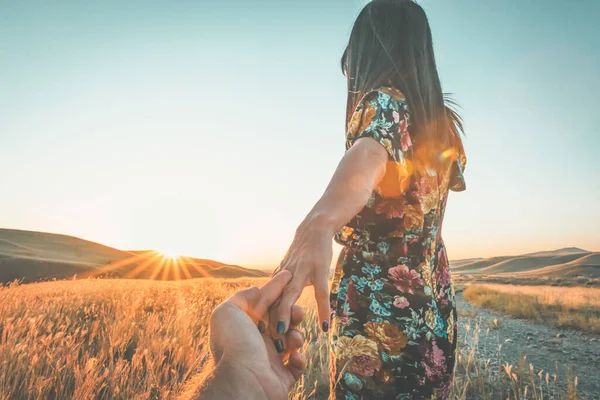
(138,339)
(572,307)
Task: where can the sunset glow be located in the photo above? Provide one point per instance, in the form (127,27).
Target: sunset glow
(170,255)
(214,178)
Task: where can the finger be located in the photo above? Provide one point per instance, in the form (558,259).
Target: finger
(296,365)
(245,299)
(322,297)
(293,341)
(297,315)
(291,293)
(276,271)
(262,327)
(290,343)
(271,291)
(282,264)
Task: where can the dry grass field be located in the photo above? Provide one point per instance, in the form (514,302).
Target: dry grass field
(140,339)
(573,307)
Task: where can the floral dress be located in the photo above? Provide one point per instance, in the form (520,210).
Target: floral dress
(394,314)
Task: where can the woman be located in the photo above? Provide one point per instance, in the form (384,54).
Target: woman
(394,316)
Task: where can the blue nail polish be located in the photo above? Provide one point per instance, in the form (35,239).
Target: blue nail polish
(325,326)
(279,346)
(261,327)
(280,327)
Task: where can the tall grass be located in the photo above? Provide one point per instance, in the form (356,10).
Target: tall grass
(135,339)
(104,338)
(577,308)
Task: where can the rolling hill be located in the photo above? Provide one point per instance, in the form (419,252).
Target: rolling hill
(33,256)
(588,265)
(561,263)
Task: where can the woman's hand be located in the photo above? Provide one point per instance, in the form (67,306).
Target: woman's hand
(308,259)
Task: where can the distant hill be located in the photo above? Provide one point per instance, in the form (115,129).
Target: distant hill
(559,252)
(567,262)
(33,256)
(588,266)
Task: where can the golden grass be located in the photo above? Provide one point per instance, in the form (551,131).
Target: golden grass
(573,297)
(136,339)
(577,308)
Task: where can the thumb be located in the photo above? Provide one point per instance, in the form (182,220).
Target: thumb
(244,299)
(322,297)
(271,291)
(255,301)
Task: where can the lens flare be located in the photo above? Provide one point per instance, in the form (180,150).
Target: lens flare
(169,254)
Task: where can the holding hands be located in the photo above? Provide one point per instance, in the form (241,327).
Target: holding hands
(308,259)
(249,364)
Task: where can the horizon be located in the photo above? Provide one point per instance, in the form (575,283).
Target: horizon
(271,266)
(151,126)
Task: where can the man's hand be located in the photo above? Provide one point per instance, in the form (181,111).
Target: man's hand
(248,365)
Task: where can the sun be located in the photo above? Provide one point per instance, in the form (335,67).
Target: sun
(171,255)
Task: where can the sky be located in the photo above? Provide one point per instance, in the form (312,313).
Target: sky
(210,128)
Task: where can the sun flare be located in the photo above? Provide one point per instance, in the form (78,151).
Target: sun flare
(171,255)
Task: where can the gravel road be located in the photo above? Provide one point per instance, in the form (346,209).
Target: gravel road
(547,348)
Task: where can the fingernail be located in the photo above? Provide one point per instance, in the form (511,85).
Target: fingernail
(280,327)
(279,346)
(261,327)
(325,326)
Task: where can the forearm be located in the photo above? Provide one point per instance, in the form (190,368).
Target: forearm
(350,188)
(226,381)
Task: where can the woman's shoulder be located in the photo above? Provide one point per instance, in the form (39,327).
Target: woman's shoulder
(384,98)
(384,94)
(392,92)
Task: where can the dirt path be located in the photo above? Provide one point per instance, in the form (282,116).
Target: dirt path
(545,347)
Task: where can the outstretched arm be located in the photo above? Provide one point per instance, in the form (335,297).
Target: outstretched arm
(309,257)
(359,171)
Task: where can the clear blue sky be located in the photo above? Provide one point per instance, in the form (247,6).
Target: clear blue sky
(210,128)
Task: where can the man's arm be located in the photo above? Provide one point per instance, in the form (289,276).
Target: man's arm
(226,381)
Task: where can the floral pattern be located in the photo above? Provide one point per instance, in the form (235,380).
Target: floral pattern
(394,314)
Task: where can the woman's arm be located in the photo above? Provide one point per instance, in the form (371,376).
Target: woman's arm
(357,174)
(309,257)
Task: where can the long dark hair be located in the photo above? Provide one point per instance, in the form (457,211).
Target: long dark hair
(391,45)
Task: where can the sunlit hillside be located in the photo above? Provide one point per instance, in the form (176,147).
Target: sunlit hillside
(31,256)
(567,262)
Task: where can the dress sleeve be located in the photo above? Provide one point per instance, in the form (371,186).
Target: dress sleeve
(457,179)
(383,118)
